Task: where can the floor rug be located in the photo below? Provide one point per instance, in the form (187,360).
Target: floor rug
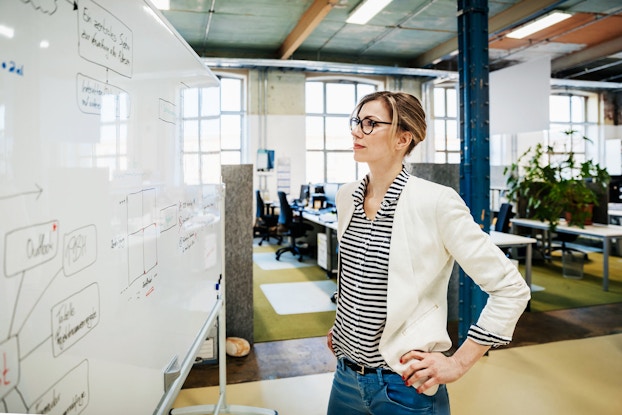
(300,297)
(267,261)
(563,293)
(271,326)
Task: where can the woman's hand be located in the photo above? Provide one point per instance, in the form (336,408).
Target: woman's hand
(436,368)
(329,340)
(429,368)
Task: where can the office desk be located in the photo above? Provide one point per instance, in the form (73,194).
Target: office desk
(330,227)
(508,240)
(502,240)
(604,232)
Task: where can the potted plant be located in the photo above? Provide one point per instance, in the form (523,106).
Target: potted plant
(547,190)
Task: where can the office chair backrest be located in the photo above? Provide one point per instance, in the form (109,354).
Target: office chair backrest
(259,211)
(503,219)
(285,210)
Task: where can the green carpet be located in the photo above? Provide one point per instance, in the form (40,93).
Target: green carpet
(559,293)
(270,326)
(562,293)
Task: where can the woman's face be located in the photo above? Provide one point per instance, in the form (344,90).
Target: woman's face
(379,144)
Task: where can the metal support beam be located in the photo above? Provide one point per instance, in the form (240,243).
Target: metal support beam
(474,138)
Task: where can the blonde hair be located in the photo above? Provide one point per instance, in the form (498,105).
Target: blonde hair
(405,111)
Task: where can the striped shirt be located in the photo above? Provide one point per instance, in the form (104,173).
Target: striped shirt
(364,255)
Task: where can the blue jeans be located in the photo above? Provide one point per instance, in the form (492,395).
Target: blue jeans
(381,394)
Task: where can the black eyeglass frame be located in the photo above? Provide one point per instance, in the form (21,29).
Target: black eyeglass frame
(355,121)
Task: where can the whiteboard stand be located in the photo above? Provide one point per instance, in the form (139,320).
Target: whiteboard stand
(221,406)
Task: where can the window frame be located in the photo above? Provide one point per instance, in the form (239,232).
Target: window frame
(324,151)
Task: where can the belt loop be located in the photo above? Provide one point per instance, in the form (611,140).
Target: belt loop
(380,375)
(341,363)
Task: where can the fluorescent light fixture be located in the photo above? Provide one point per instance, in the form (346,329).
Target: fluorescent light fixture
(366,10)
(539,24)
(162,4)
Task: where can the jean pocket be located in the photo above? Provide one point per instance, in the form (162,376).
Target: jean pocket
(408,400)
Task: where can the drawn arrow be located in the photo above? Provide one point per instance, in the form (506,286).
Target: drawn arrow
(37,192)
(75,4)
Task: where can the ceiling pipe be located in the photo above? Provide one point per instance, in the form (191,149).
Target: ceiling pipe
(355,69)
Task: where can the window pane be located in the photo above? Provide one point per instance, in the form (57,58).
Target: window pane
(338,135)
(191,102)
(578,109)
(314,97)
(231,94)
(191,136)
(364,89)
(341,167)
(453,158)
(230,157)
(559,108)
(210,101)
(230,132)
(439,135)
(315,133)
(107,145)
(340,98)
(124,106)
(108,108)
(123,138)
(439,102)
(191,168)
(210,135)
(452,103)
(453,142)
(439,158)
(315,166)
(211,168)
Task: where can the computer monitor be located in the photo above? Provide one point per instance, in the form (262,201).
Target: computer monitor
(330,192)
(615,189)
(304,193)
(600,211)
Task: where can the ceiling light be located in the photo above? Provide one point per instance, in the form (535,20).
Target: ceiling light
(539,24)
(162,4)
(366,10)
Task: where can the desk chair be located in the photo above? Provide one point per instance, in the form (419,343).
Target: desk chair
(503,222)
(503,218)
(265,223)
(291,227)
(562,239)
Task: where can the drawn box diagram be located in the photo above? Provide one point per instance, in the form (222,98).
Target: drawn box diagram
(9,366)
(80,249)
(74,317)
(28,247)
(142,233)
(70,395)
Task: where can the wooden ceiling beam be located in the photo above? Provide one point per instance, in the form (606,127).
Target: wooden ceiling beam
(310,19)
(601,50)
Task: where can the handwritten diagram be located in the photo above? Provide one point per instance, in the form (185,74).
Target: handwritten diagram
(108,258)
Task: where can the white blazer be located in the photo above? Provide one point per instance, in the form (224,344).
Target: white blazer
(433,227)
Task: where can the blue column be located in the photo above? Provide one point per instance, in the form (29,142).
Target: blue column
(474,137)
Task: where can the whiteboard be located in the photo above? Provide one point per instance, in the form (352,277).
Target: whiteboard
(109,261)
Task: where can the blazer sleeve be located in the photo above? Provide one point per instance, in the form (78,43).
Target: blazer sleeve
(487,266)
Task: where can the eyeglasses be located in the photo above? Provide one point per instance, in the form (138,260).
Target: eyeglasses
(367,125)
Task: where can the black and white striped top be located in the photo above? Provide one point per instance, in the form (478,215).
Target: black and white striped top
(364,253)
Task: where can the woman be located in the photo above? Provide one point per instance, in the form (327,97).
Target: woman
(398,238)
